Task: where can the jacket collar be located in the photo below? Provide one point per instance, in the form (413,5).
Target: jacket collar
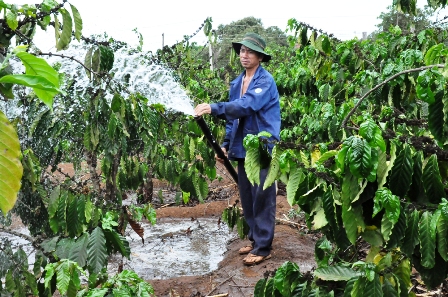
(240,77)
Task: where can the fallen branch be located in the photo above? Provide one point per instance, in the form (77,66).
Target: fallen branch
(289,223)
(220,295)
(223,282)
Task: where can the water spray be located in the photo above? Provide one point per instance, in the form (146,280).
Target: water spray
(211,140)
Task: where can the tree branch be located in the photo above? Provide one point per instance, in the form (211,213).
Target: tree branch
(18,234)
(71,58)
(344,122)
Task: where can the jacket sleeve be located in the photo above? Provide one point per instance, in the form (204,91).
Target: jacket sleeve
(255,98)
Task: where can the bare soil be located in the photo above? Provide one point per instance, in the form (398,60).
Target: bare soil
(291,243)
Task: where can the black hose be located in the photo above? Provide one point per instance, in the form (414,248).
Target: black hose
(216,147)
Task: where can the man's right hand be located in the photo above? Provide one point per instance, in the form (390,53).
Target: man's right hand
(218,158)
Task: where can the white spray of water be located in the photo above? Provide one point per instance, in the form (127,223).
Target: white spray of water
(133,71)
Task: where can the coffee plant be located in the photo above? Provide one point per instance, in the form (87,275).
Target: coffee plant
(90,117)
(362,153)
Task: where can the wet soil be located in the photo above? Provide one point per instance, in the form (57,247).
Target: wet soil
(292,243)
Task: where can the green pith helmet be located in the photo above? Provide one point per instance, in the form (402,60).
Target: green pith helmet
(255,42)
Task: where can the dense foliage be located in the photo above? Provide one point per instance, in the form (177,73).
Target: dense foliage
(80,110)
(362,153)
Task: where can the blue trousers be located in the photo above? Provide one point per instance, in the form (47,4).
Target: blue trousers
(259,210)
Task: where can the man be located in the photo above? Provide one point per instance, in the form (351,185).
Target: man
(253,107)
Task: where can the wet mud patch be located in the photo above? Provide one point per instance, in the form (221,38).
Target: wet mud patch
(176,247)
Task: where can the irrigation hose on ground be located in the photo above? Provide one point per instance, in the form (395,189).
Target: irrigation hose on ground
(211,140)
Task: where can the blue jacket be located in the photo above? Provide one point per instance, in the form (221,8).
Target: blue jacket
(258,110)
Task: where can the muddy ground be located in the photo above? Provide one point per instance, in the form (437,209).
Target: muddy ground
(292,242)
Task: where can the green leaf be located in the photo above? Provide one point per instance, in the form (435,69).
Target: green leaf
(32,81)
(411,238)
(11,169)
(63,276)
(252,164)
(384,199)
(435,54)
(285,276)
(296,177)
(385,166)
(78,22)
(401,174)
(66,34)
(39,67)
(119,242)
(88,62)
(329,208)
(417,191)
(367,130)
(336,273)
(349,287)
(373,288)
(427,238)
(96,250)
(78,253)
(442,237)
(360,158)
(398,231)
(11,20)
(259,288)
(432,181)
(72,216)
(274,167)
(436,117)
(327,155)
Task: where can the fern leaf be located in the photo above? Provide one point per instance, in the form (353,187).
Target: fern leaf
(96,250)
(401,174)
(427,240)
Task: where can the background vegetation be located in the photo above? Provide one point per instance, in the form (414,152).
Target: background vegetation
(362,151)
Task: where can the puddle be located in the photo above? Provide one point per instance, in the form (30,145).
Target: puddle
(170,251)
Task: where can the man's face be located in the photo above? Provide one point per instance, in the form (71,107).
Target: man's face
(249,59)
